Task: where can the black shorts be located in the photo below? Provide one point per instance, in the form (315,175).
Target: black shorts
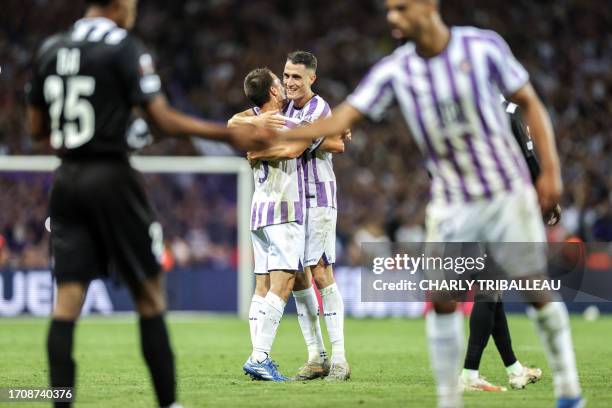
(102,223)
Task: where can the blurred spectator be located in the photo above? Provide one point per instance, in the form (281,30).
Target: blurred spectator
(204,49)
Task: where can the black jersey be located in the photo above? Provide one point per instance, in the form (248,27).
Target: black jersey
(88,79)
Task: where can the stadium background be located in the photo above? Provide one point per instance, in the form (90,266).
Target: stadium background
(203,49)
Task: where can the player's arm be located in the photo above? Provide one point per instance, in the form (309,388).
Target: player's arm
(241,118)
(137,71)
(174,123)
(333,144)
(548,183)
(522,135)
(270,119)
(287,149)
(343,117)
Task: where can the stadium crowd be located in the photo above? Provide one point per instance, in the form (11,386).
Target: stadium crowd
(203,50)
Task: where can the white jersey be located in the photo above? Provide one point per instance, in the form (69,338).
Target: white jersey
(279,192)
(319,177)
(451,105)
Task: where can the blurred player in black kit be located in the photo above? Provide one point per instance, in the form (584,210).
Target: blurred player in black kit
(85,83)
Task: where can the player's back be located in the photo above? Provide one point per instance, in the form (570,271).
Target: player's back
(279,191)
(88,79)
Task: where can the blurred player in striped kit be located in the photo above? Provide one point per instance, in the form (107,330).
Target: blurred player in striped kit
(319,180)
(447,82)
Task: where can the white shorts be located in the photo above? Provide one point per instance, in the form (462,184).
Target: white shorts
(278,247)
(512,217)
(320,235)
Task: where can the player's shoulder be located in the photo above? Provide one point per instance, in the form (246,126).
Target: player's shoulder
(388,64)
(487,36)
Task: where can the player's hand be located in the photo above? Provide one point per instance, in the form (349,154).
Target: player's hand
(553,217)
(270,120)
(549,188)
(347,136)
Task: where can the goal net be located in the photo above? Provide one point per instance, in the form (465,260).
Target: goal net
(203,204)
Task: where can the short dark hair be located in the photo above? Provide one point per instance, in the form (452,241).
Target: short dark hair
(103,3)
(257,86)
(304,58)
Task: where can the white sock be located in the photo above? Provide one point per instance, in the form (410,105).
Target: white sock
(516,368)
(333,310)
(552,325)
(256,303)
(269,318)
(307,307)
(469,375)
(445,339)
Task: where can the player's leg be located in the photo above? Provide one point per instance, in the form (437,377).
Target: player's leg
(333,312)
(526,259)
(149,298)
(518,375)
(482,320)
(262,286)
(259,365)
(320,257)
(444,328)
(62,368)
(285,250)
(444,323)
(126,221)
(262,280)
(307,306)
(271,313)
(77,260)
(552,325)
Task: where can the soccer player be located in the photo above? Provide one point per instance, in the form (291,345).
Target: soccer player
(447,82)
(488,317)
(85,83)
(277,225)
(321,214)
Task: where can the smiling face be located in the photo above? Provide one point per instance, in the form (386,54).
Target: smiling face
(298,80)
(408,18)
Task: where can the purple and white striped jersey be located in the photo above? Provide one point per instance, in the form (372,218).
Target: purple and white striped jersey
(319,177)
(451,105)
(279,194)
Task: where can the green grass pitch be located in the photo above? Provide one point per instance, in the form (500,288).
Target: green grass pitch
(388,357)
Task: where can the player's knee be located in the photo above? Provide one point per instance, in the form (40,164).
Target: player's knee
(70,297)
(262,285)
(282,283)
(302,281)
(150,306)
(150,299)
(323,274)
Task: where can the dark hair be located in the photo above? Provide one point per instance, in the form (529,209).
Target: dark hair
(304,58)
(257,86)
(103,3)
